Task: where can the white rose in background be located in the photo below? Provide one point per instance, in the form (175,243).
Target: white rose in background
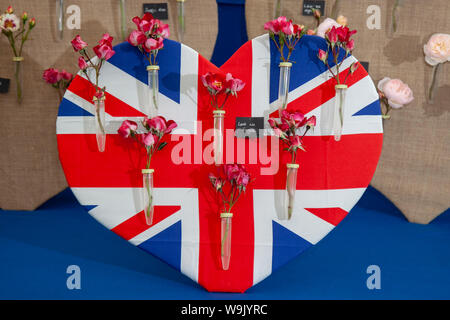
(326,25)
(437,51)
(395,94)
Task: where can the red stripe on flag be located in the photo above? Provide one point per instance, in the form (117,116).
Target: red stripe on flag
(239,277)
(330,215)
(136,224)
(113,106)
(322,93)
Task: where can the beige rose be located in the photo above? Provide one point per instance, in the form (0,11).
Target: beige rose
(343,21)
(396,91)
(437,49)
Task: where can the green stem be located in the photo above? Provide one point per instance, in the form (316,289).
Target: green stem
(433,82)
(394,11)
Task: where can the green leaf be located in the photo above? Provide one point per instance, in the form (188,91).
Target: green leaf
(162,145)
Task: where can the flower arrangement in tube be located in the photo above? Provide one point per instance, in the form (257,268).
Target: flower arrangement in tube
(103,52)
(288,130)
(149,39)
(229,185)
(284,33)
(60,80)
(152,140)
(220,87)
(17,31)
(338,41)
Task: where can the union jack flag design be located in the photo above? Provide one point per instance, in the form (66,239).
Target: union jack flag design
(186,230)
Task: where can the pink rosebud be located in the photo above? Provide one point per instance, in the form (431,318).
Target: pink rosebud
(127,128)
(32,23)
(51,76)
(153,44)
(272,123)
(78,44)
(332,35)
(66,75)
(310,32)
(217,182)
(311,122)
(349,46)
(157,123)
(104,51)
(323,56)
(233,85)
(295,141)
(82,64)
(149,139)
(9,10)
(136,38)
(170,126)
(106,39)
(99,94)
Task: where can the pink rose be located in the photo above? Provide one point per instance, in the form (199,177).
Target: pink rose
(66,75)
(149,139)
(82,64)
(295,141)
(437,49)
(323,56)
(217,182)
(51,76)
(136,38)
(78,44)
(311,122)
(326,25)
(213,82)
(153,44)
(170,126)
(332,35)
(104,51)
(126,128)
(157,123)
(106,39)
(280,25)
(234,85)
(163,30)
(396,91)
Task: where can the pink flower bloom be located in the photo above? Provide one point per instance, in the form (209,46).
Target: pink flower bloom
(51,76)
(66,75)
(78,44)
(153,44)
(163,30)
(82,64)
(104,51)
(295,141)
(280,25)
(136,38)
(157,123)
(145,24)
(170,126)
(311,122)
(234,85)
(272,123)
(326,25)
(149,139)
(396,91)
(323,56)
(350,45)
(437,49)
(126,128)
(217,182)
(213,82)
(99,94)
(332,35)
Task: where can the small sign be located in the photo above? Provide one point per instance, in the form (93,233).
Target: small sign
(308,5)
(4,85)
(158,10)
(249,127)
(365,64)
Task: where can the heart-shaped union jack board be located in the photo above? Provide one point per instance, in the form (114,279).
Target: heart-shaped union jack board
(186,230)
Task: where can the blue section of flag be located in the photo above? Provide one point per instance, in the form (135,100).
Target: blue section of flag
(372,109)
(130,60)
(70,109)
(166,245)
(286,245)
(306,65)
(89,207)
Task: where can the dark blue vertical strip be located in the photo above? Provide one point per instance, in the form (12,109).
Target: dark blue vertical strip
(232,32)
